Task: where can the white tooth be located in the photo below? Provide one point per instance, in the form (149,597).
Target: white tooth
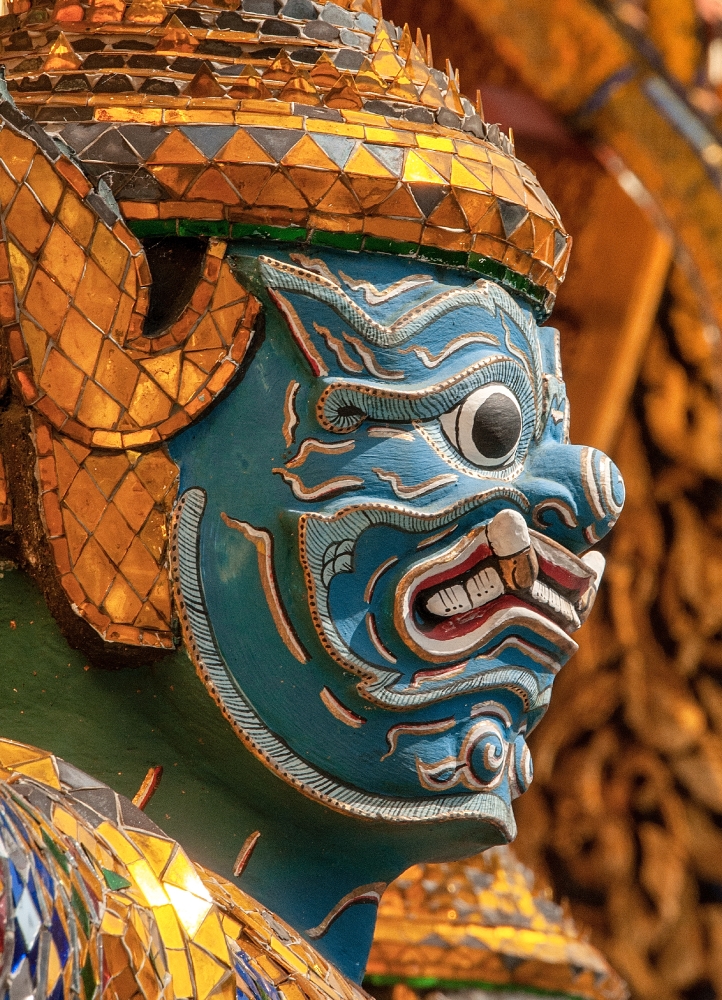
(484,587)
(436,606)
(543,594)
(571,613)
(460,599)
(451,601)
(596,562)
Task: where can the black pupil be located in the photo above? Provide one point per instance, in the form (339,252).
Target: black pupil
(497,426)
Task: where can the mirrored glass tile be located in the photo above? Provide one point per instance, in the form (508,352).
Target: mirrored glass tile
(27,918)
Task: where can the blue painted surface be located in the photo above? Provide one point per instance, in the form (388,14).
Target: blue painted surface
(231,455)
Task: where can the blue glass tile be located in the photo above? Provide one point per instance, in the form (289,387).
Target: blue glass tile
(19,952)
(61,941)
(45,876)
(259,986)
(16,882)
(34,892)
(58,990)
(33,958)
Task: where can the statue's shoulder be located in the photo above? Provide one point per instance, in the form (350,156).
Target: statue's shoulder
(96,900)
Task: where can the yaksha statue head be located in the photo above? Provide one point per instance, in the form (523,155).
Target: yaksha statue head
(272,301)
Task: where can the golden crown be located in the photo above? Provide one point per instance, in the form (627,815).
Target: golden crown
(294,120)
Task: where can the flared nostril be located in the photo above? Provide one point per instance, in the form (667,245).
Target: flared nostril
(604,490)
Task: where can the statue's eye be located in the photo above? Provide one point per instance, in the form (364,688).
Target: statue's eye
(486,426)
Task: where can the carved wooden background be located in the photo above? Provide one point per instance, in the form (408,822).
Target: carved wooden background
(625,815)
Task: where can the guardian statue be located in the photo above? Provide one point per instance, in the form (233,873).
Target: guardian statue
(277,392)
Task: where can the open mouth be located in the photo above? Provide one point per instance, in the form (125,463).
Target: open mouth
(499,578)
(517,621)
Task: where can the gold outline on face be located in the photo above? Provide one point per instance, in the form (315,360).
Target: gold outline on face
(323,491)
(430,360)
(566,513)
(290,417)
(263,542)
(375,638)
(310,446)
(299,332)
(339,711)
(427,542)
(376,576)
(371,362)
(415,729)
(390,432)
(599,492)
(405,492)
(342,355)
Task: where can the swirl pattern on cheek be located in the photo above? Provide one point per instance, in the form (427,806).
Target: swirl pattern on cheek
(479,765)
(521,768)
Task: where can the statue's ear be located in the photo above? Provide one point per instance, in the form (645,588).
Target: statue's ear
(105,384)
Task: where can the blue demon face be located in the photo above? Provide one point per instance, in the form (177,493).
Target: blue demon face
(380,536)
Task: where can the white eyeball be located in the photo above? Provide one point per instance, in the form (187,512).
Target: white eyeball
(486,426)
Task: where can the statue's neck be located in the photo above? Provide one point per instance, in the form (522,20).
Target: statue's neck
(310,879)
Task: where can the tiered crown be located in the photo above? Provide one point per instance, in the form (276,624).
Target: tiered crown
(483,923)
(288,119)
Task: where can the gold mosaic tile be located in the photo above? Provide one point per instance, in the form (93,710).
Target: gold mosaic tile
(94,572)
(98,410)
(26,221)
(76,218)
(113,523)
(45,184)
(93,285)
(114,534)
(17,153)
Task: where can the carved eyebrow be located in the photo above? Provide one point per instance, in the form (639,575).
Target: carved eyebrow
(482,294)
(375,296)
(431,360)
(344,405)
(314,264)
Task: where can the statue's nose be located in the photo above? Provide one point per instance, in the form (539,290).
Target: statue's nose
(604,493)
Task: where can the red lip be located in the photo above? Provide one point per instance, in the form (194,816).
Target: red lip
(453,602)
(560,578)
(447,629)
(572,585)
